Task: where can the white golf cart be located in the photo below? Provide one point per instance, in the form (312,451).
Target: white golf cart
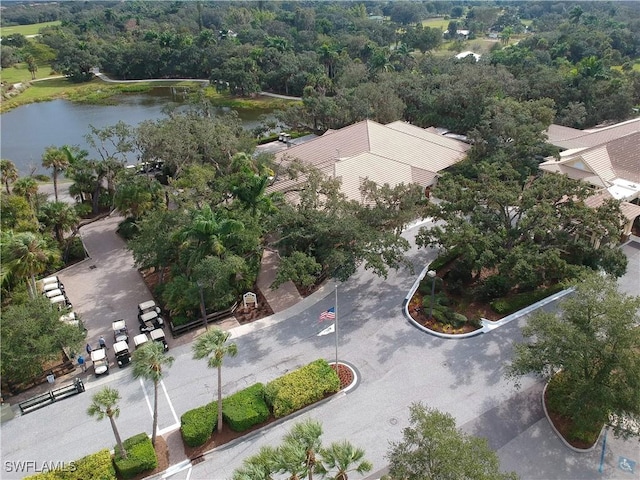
(140,339)
(121,349)
(120,332)
(61,301)
(157,335)
(100,361)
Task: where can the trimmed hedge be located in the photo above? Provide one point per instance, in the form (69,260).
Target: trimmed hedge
(97,466)
(301,387)
(141,456)
(198,424)
(245,408)
(513,304)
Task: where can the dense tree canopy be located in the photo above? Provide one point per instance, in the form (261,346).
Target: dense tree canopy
(589,351)
(433,448)
(529,235)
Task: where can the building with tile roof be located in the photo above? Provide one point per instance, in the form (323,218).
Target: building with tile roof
(394,153)
(608,159)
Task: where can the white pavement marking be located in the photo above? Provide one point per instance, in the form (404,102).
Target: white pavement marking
(177,468)
(166,394)
(146,397)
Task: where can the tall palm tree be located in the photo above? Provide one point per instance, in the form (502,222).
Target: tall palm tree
(26,187)
(105,404)
(57,160)
(59,216)
(346,458)
(213,346)
(260,466)
(148,361)
(25,255)
(305,437)
(8,172)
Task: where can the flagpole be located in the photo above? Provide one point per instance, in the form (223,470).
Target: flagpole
(336,290)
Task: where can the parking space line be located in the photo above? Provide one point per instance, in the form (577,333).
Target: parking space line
(166,394)
(146,397)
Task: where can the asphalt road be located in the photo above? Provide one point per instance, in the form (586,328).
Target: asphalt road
(397,364)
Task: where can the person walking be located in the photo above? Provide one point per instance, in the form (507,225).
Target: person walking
(82,363)
(102,343)
(88,348)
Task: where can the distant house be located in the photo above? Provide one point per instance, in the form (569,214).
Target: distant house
(394,153)
(608,159)
(466,53)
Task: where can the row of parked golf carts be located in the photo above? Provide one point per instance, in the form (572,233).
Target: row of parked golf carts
(151,324)
(53,289)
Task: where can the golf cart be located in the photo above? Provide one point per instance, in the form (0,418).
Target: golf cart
(47,287)
(157,335)
(140,339)
(120,332)
(150,321)
(53,293)
(121,349)
(48,280)
(148,306)
(70,318)
(61,301)
(100,361)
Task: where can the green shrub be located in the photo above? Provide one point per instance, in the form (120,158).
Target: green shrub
(97,466)
(301,387)
(74,250)
(83,209)
(245,408)
(458,320)
(141,456)
(516,302)
(494,286)
(197,425)
(128,229)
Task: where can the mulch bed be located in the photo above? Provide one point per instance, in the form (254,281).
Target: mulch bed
(226,434)
(249,315)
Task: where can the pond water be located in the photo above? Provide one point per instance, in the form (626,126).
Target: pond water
(26,131)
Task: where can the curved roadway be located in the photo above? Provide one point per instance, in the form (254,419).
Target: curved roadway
(398,365)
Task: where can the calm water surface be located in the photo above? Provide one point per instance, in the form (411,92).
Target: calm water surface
(26,131)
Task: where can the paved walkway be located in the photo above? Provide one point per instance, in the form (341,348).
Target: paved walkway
(286,295)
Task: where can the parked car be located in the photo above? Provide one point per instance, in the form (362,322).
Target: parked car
(140,339)
(150,321)
(100,361)
(157,335)
(120,332)
(121,349)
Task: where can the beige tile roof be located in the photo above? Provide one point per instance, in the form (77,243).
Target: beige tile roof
(565,137)
(628,209)
(602,164)
(394,153)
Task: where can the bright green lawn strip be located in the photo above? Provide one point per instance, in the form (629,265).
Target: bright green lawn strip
(438,22)
(20,73)
(31,29)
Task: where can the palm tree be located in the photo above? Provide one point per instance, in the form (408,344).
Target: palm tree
(26,187)
(24,255)
(148,361)
(304,437)
(346,458)
(9,173)
(260,466)
(57,160)
(105,404)
(213,345)
(60,217)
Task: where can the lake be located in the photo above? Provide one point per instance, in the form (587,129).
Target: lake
(26,131)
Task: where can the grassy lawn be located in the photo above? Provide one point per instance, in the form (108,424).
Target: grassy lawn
(438,22)
(31,29)
(20,73)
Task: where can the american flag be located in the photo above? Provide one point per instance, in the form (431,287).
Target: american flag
(329,314)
